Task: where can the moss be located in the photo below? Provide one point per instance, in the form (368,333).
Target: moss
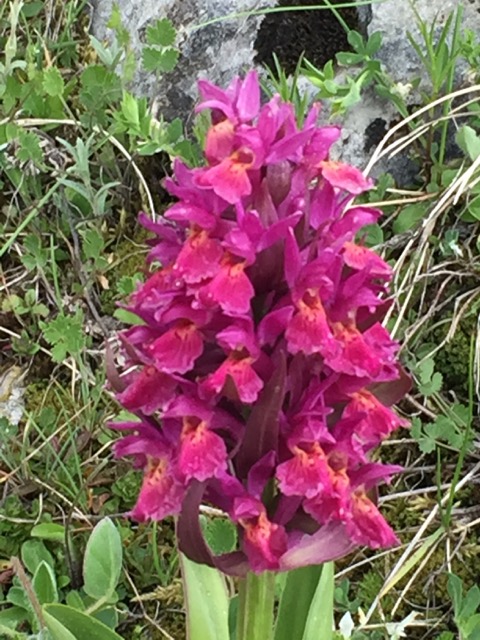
(453,360)
(129,258)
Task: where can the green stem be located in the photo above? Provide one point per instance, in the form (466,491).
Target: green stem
(255,607)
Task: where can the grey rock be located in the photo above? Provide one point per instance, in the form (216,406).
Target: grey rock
(394,19)
(217,51)
(226,48)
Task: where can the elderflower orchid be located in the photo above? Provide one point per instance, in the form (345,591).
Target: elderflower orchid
(259,371)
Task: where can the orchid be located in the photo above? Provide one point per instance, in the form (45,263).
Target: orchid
(261,375)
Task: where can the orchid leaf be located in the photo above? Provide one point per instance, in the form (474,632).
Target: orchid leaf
(206,601)
(191,539)
(296,597)
(319,622)
(103,560)
(66,623)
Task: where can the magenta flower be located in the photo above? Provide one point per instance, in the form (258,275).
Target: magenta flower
(261,375)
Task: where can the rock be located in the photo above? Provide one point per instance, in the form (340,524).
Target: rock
(401,62)
(217,51)
(223,49)
(397,54)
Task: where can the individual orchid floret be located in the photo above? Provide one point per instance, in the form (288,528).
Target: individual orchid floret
(260,376)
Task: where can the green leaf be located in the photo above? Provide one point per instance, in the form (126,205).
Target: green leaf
(470,602)
(65,334)
(319,622)
(355,40)
(36,256)
(206,601)
(409,217)
(115,23)
(468,141)
(128,317)
(161,33)
(65,623)
(220,534)
(29,147)
(297,596)
(49,531)
(372,235)
(347,58)
(32,9)
(99,88)
(130,109)
(12,616)
(44,584)
(159,60)
(56,628)
(455,591)
(74,600)
(93,244)
(374,43)
(103,560)
(127,284)
(53,83)
(352,96)
(18,597)
(33,553)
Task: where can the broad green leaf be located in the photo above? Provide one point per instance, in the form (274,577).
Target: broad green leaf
(128,317)
(455,591)
(44,584)
(471,627)
(372,235)
(65,623)
(408,217)
(347,58)
(18,597)
(355,40)
(374,43)
(107,616)
(75,601)
(29,147)
(130,109)
(469,142)
(470,602)
(53,83)
(12,616)
(220,534)
(161,32)
(49,531)
(103,560)
(33,553)
(159,60)
(32,9)
(206,601)
(319,622)
(296,596)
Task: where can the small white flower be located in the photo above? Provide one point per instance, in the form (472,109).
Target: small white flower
(346,626)
(396,630)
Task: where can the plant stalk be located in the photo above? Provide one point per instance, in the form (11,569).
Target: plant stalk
(255,608)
